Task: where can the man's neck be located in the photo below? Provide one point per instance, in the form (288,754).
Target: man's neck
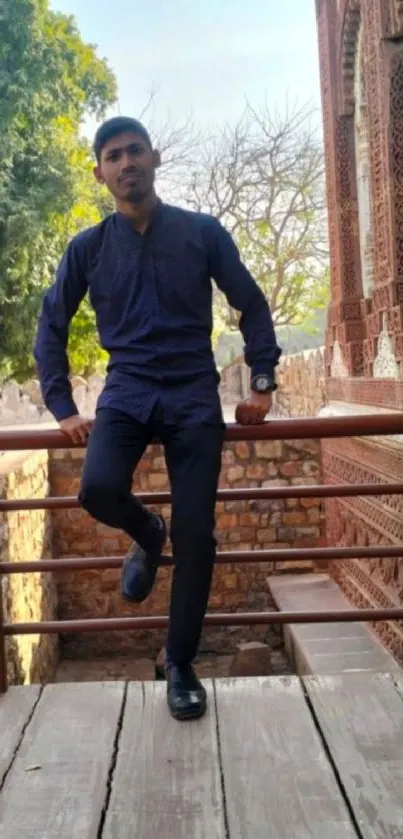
(139,214)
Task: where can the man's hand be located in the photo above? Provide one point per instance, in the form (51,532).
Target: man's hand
(77,428)
(253,410)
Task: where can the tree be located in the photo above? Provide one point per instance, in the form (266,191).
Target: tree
(49,80)
(264,178)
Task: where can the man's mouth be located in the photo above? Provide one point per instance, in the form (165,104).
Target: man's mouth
(131,179)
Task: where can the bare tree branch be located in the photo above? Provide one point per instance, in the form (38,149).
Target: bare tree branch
(264,178)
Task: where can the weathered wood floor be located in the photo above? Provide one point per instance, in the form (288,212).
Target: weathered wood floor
(274,758)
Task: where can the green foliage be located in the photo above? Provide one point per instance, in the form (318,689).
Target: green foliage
(49,81)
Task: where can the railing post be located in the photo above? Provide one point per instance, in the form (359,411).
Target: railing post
(3,658)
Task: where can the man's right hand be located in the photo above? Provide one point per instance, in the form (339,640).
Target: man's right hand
(77,428)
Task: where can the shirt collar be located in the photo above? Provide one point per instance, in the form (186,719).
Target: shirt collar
(126,223)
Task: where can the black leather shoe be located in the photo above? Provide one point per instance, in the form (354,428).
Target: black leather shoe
(187,698)
(140,569)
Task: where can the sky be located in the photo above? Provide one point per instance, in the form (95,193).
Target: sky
(203,59)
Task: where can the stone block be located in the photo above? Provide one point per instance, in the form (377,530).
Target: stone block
(242,450)
(235,473)
(251,659)
(268,449)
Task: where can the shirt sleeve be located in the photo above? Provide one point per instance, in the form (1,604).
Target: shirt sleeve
(59,306)
(243,294)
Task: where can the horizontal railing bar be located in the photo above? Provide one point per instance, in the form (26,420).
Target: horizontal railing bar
(280,555)
(233,619)
(276,429)
(242,494)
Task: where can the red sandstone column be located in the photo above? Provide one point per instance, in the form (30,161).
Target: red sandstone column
(345,319)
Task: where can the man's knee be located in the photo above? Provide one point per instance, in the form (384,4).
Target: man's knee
(100,494)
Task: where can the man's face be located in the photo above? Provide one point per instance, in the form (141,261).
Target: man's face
(127,167)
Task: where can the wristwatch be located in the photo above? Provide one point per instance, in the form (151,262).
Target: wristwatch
(263,383)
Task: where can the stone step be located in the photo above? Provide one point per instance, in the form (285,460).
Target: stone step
(325,647)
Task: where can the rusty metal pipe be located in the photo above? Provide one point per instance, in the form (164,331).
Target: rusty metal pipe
(234,619)
(247,494)
(276,429)
(281,555)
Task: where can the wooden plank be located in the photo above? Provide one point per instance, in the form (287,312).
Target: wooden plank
(16,707)
(278,781)
(361,717)
(166,783)
(57,786)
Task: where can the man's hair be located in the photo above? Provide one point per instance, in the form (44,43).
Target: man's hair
(117,125)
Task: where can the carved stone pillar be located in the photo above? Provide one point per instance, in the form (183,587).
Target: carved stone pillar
(384,81)
(345,331)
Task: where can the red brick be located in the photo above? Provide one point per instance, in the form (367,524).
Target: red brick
(235,473)
(309,502)
(291,469)
(296,517)
(268,449)
(266,535)
(256,471)
(157,480)
(248,519)
(242,450)
(227,521)
(231,581)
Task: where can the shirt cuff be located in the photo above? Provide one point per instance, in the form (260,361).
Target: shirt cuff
(63,408)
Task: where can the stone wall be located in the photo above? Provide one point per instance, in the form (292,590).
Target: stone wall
(301,390)
(240,526)
(27,597)
(301,384)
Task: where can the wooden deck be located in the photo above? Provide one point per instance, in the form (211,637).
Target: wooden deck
(318,758)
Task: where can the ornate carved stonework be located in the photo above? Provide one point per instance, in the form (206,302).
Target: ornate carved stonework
(338,368)
(385,364)
(377,520)
(352,19)
(382,393)
(361,66)
(396,18)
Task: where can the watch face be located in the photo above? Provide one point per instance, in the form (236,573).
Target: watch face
(262,383)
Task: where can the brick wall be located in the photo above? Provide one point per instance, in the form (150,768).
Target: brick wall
(240,525)
(27,597)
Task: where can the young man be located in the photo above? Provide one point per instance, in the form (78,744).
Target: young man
(148,270)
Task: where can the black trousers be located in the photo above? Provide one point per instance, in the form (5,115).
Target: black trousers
(193,458)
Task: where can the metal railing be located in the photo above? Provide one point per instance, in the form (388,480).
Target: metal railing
(293,429)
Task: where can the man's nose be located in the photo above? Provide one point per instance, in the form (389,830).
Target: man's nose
(126,161)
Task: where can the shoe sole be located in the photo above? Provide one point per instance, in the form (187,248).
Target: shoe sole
(184,716)
(134,599)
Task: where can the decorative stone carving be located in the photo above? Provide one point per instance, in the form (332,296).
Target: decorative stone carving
(362,78)
(338,367)
(385,364)
(363,169)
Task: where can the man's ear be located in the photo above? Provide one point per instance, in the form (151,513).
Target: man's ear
(98,175)
(156,159)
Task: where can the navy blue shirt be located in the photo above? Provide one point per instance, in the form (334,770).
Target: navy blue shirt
(152,296)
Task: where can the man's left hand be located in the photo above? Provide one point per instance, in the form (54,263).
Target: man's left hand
(253,410)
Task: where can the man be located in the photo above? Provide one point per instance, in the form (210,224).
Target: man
(148,270)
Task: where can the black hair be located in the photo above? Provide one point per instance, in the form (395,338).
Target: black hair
(117,125)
